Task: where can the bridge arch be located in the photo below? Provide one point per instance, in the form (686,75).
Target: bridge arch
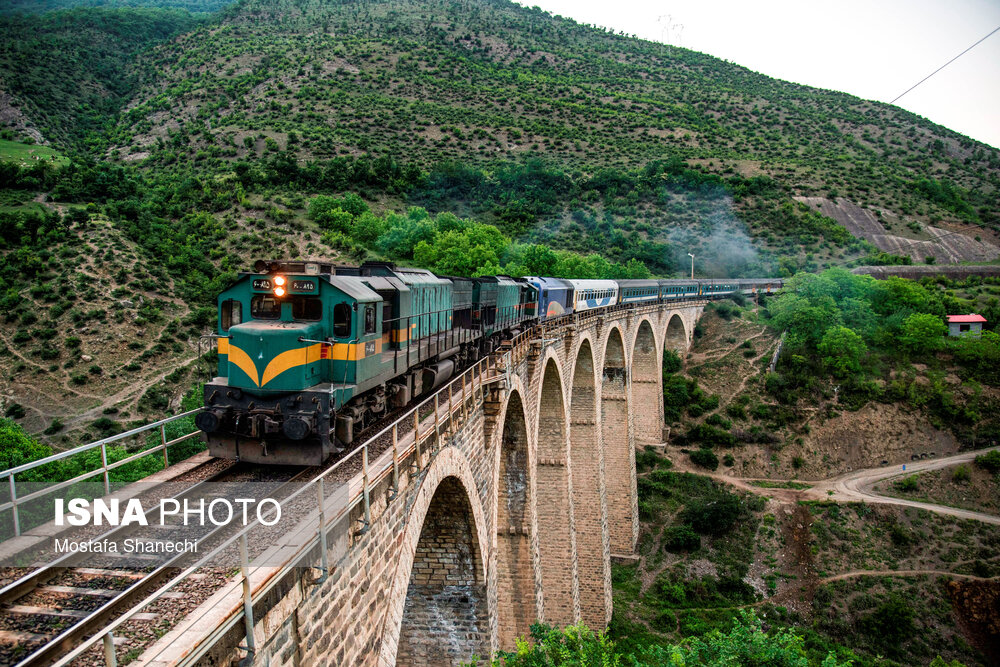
(589,504)
(516,607)
(619,452)
(553,504)
(647,392)
(676,337)
(438,610)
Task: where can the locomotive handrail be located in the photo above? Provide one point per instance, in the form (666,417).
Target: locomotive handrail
(104,469)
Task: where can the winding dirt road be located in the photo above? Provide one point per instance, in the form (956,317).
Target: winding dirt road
(857,485)
(854,486)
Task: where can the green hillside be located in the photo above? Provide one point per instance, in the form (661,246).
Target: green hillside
(72,71)
(468,137)
(486,82)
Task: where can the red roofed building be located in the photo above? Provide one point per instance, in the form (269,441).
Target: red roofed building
(965,325)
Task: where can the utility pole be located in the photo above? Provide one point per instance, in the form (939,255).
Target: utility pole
(692,265)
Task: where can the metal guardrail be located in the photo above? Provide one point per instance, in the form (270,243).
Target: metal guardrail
(458,392)
(104,470)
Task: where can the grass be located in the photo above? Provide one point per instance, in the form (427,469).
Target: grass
(25,154)
(767,484)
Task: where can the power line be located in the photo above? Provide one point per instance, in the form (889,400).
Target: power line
(946,64)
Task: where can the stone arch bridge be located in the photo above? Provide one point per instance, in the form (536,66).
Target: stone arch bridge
(508,515)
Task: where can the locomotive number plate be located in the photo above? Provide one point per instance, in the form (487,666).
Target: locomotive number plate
(369,348)
(261,284)
(303,286)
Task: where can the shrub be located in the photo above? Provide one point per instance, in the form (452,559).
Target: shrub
(736,411)
(713,515)
(54,427)
(717,420)
(960,475)
(680,538)
(710,435)
(990,461)
(908,485)
(671,361)
(15,411)
(705,458)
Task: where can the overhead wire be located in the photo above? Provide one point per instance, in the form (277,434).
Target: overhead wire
(946,64)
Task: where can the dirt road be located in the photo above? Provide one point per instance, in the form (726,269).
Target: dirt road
(857,485)
(854,486)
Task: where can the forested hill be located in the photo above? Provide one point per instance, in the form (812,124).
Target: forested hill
(65,75)
(486,80)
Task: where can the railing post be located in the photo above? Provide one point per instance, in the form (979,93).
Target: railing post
(110,659)
(323,557)
(13,506)
(104,463)
(366,491)
(163,441)
(437,432)
(465,399)
(416,440)
(395,460)
(451,409)
(247,593)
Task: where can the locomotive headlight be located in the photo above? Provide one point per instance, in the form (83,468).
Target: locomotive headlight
(279,280)
(279,291)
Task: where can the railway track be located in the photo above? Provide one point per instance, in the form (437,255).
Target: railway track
(54,607)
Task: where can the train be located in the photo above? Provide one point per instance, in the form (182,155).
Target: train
(312,353)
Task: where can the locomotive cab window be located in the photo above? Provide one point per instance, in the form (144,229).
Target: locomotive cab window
(342,320)
(369,320)
(307,308)
(232,314)
(265,307)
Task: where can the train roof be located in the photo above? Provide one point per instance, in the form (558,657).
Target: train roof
(549,283)
(594,284)
(637,283)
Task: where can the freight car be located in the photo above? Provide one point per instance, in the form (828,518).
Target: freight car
(311,353)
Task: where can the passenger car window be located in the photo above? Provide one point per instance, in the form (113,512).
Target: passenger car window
(265,307)
(232,314)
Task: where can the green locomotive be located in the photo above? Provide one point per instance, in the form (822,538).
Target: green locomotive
(310,353)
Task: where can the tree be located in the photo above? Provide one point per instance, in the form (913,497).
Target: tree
(745,644)
(17,447)
(842,350)
(540,260)
(705,458)
(922,333)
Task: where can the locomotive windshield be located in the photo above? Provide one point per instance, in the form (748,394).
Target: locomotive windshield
(265,307)
(307,308)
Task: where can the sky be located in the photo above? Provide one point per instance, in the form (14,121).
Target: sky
(874,49)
